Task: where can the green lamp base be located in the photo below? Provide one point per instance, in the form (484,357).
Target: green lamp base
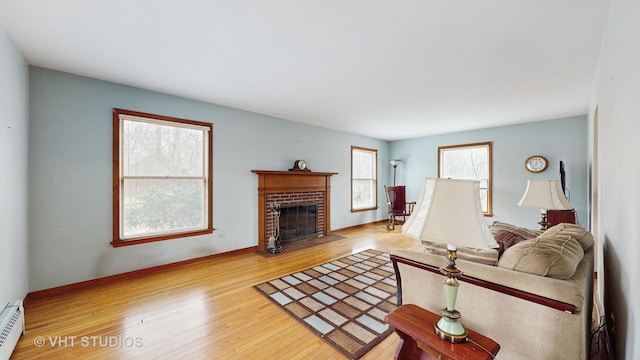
(451,330)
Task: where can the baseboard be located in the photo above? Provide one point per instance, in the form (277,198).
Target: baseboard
(83,285)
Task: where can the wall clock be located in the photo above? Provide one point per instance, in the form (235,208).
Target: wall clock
(300,165)
(536,163)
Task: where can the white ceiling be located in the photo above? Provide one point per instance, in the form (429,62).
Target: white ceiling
(385,69)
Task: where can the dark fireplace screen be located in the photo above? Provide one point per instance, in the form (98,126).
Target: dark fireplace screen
(298,221)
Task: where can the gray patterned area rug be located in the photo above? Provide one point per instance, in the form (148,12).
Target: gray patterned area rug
(343,301)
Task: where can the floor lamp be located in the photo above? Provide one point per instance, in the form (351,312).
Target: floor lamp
(395,164)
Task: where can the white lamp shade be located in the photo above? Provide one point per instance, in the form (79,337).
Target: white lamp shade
(450,211)
(545,194)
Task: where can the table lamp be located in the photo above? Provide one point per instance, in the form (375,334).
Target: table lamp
(450,211)
(545,195)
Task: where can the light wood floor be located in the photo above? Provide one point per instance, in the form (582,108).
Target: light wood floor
(206,310)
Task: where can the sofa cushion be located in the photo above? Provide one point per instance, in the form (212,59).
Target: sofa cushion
(577,232)
(507,235)
(555,256)
(483,256)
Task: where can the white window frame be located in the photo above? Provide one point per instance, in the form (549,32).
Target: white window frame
(372,178)
(121,116)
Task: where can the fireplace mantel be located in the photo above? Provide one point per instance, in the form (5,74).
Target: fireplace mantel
(273,182)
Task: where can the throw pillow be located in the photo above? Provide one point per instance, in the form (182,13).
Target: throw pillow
(555,256)
(506,239)
(507,235)
(483,256)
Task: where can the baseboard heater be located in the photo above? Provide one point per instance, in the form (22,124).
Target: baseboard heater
(11,327)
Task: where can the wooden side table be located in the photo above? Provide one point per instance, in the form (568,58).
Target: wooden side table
(418,340)
(555,217)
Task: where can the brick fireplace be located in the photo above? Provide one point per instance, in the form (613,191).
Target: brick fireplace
(291,188)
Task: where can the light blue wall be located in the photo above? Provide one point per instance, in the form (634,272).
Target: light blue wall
(70,166)
(560,139)
(14,130)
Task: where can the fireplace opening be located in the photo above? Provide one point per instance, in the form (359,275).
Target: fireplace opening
(298,221)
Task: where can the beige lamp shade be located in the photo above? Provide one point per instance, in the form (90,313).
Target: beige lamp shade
(450,211)
(545,194)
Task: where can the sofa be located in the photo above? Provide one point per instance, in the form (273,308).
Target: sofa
(533,295)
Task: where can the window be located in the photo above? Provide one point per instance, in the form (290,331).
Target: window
(364,170)
(161,178)
(469,162)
